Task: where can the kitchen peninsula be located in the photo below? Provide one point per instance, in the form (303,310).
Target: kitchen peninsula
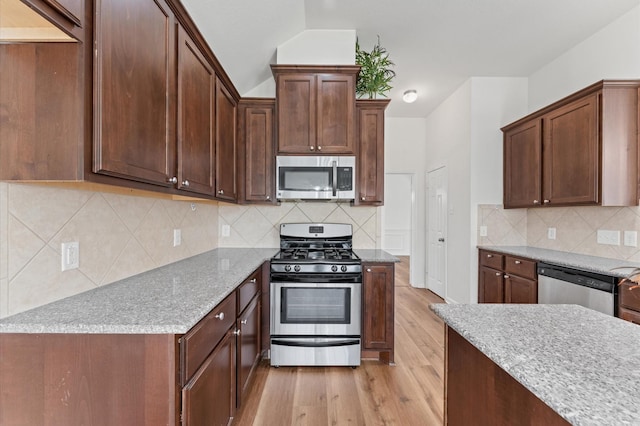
(539,364)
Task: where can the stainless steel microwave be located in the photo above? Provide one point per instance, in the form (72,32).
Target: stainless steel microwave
(315,177)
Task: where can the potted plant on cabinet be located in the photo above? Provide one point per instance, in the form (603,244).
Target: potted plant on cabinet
(375,74)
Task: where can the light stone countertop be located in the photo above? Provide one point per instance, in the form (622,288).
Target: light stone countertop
(369,255)
(170,299)
(583,364)
(600,265)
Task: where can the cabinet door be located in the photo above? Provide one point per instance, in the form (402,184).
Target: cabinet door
(370,133)
(248,346)
(134,117)
(196,93)
(208,398)
(336,114)
(490,286)
(571,153)
(378,294)
(520,290)
(629,315)
(296,104)
(523,165)
(225,144)
(256,153)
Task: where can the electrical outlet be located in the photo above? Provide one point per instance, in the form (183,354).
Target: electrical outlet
(177,237)
(551,233)
(226,230)
(483,231)
(70,255)
(631,238)
(611,238)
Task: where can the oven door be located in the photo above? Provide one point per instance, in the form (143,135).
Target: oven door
(315,309)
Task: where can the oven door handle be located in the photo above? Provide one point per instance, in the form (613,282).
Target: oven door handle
(332,343)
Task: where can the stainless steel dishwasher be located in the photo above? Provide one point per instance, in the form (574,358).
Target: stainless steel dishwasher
(564,285)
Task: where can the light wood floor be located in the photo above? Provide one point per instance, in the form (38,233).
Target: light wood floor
(409,393)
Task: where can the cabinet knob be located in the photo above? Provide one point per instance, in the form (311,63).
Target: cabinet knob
(253,280)
(172,180)
(498,274)
(362,198)
(536,201)
(243,321)
(185,183)
(268,197)
(368,269)
(319,148)
(546,201)
(220,316)
(237,332)
(221,191)
(489,256)
(506,276)
(312,148)
(517,262)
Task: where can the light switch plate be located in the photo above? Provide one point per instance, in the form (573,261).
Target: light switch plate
(483,231)
(70,255)
(177,237)
(226,230)
(631,238)
(551,233)
(611,238)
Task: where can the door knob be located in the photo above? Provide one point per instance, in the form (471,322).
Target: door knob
(441,240)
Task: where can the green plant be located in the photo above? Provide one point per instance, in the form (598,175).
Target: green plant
(375,73)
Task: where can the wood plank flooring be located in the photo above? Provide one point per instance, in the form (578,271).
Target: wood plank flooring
(409,393)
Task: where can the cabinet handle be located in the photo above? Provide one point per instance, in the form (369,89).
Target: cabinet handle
(185,183)
(243,321)
(506,276)
(517,262)
(546,201)
(498,274)
(536,201)
(220,316)
(311,148)
(319,148)
(237,332)
(253,280)
(368,269)
(221,191)
(172,180)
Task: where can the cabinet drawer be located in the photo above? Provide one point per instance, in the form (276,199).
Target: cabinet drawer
(629,315)
(629,298)
(198,343)
(248,289)
(491,259)
(525,268)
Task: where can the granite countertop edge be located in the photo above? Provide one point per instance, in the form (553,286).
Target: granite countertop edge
(602,265)
(574,369)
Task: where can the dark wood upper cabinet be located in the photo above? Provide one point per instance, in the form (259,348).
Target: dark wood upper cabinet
(370,158)
(72,10)
(134,87)
(256,165)
(226,110)
(581,150)
(315,109)
(196,117)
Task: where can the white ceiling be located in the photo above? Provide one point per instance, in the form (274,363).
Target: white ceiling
(436,44)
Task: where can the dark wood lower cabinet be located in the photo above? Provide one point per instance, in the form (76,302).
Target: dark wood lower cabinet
(378,310)
(506,279)
(209,398)
(479,392)
(249,347)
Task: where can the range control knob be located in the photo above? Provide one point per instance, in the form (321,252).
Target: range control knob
(334,268)
(287,268)
(344,268)
(296,268)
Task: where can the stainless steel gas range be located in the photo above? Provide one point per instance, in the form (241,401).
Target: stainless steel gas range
(316,296)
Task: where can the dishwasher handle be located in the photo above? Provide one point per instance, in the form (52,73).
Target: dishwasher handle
(602,282)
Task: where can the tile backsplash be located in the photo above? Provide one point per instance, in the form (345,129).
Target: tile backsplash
(576,228)
(119,236)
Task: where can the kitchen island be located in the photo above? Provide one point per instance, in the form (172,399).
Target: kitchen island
(535,364)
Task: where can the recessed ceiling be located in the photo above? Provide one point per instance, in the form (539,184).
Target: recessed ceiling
(435,44)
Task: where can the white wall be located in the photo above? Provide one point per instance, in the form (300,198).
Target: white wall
(405,151)
(317,47)
(611,53)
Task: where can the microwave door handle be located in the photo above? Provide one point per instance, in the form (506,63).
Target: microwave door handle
(335,178)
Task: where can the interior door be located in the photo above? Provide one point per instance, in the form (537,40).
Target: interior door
(437,232)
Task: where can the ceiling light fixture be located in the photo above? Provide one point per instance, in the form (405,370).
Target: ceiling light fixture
(410,96)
